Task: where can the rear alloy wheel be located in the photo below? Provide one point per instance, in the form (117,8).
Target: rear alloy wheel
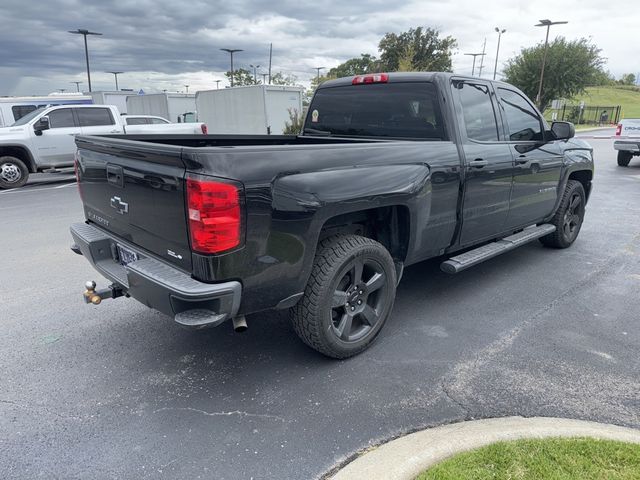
(348,298)
(568,218)
(13,172)
(624,158)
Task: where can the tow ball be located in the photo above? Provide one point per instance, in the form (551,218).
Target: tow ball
(91,295)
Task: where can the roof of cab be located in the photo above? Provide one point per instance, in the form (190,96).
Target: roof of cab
(395,77)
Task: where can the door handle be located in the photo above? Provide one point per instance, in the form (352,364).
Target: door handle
(478,163)
(522,159)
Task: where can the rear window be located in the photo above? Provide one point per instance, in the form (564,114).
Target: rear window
(404,110)
(137,121)
(93,117)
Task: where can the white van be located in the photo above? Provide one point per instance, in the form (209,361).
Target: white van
(13,109)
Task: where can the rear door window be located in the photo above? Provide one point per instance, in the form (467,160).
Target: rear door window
(477,110)
(401,110)
(62,118)
(93,117)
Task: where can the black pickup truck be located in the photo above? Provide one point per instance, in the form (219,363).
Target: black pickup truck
(390,170)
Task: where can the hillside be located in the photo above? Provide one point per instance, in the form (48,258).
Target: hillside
(611,96)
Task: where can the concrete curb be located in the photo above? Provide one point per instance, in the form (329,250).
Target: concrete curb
(406,457)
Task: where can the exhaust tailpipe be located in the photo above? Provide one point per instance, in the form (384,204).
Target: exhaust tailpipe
(240,324)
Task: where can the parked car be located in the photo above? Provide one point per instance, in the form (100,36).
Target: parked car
(627,146)
(322,224)
(44,138)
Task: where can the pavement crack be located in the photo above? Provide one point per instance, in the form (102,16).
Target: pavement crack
(238,413)
(453,399)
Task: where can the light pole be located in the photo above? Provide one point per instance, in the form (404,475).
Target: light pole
(255,72)
(115,74)
(474,55)
(217,84)
(231,52)
(318,73)
(544,23)
(62,90)
(77,86)
(187,87)
(495,68)
(264,78)
(84,33)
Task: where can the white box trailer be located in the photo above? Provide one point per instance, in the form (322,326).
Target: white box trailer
(115,98)
(252,110)
(175,107)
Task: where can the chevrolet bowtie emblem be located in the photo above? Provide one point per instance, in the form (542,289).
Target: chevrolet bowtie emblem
(120,206)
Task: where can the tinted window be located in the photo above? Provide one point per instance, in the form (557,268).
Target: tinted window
(137,121)
(20,111)
(62,118)
(408,110)
(158,121)
(92,117)
(524,122)
(28,117)
(477,110)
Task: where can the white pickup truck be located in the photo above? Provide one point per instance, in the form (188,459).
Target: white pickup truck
(627,141)
(44,138)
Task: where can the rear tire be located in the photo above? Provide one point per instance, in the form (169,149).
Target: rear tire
(624,158)
(13,172)
(348,298)
(568,218)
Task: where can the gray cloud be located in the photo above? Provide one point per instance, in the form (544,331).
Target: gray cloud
(162,42)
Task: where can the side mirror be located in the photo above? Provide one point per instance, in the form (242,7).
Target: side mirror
(563,130)
(41,124)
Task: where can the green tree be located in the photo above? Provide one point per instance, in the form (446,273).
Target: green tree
(628,79)
(365,63)
(280,78)
(603,78)
(418,49)
(241,77)
(570,67)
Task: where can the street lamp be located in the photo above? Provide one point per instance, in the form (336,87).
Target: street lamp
(217,84)
(84,33)
(115,74)
(318,73)
(231,51)
(474,55)
(544,23)
(77,86)
(187,87)
(255,72)
(500,32)
(264,78)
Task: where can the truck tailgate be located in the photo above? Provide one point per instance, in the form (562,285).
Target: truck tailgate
(136,191)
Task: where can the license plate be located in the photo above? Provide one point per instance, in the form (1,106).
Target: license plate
(125,255)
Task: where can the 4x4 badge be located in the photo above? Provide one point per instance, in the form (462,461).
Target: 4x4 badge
(120,206)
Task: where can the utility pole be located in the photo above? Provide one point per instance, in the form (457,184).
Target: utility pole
(495,68)
(474,55)
(484,46)
(77,86)
(318,73)
(544,23)
(270,58)
(115,74)
(84,33)
(231,51)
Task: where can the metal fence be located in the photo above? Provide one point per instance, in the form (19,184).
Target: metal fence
(586,114)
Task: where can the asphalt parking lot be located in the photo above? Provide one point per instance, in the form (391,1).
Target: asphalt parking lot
(119,391)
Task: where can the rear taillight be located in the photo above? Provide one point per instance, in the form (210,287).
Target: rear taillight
(619,129)
(372,78)
(204,129)
(215,215)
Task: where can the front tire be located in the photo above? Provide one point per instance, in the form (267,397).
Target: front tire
(13,172)
(568,218)
(624,158)
(348,298)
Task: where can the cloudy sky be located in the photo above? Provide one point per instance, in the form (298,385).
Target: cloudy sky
(166,44)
